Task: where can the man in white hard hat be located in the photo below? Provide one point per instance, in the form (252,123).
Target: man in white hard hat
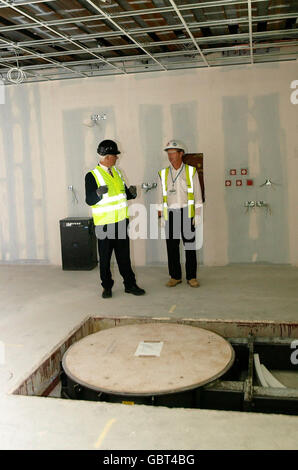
(180,192)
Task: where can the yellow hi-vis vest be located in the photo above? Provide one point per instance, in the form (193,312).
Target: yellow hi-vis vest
(189,173)
(113,206)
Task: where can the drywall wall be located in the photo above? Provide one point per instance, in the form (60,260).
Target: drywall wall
(239,117)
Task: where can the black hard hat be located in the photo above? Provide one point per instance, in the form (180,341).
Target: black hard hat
(107,147)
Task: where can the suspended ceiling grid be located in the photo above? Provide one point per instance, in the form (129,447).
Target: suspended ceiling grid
(64,39)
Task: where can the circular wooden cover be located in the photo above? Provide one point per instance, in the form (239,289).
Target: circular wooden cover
(106,361)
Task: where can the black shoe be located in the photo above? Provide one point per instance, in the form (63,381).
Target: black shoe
(106,293)
(135,290)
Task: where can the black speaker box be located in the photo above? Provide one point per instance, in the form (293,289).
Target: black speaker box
(78,243)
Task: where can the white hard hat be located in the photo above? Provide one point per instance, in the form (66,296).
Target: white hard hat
(175,144)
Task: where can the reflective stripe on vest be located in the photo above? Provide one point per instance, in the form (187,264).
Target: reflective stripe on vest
(113,206)
(164,184)
(189,173)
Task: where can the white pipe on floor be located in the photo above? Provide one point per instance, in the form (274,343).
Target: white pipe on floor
(259,371)
(270,379)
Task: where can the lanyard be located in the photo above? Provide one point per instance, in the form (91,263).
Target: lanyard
(174,180)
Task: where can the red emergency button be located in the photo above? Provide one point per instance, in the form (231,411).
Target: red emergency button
(249,183)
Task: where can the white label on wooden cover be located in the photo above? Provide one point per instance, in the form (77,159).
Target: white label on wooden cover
(149,348)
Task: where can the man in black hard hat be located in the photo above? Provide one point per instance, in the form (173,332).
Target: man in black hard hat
(107,194)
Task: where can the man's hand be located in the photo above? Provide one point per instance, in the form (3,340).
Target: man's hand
(161,219)
(101,190)
(197,218)
(133,191)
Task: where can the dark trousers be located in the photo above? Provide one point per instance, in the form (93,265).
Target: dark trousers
(114,237)
(178,226)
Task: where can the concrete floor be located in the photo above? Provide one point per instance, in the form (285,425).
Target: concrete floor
(40,305)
